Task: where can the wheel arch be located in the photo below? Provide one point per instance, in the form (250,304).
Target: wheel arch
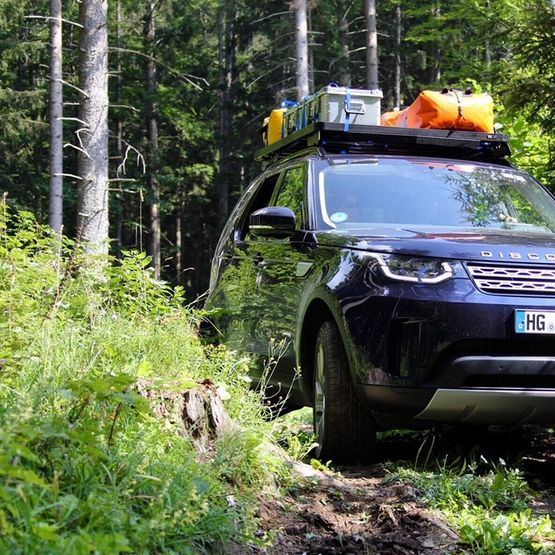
(318,311)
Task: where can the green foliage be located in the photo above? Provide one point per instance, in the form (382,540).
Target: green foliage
(531,146)
(23,103)
(528,83)
(294,431)
(496,534)
(490,510)
(85,464)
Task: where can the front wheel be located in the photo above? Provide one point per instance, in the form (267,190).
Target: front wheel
(344,427)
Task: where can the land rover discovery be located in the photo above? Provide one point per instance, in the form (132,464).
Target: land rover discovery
(389,283)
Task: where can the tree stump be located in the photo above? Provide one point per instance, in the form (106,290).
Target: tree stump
(198,412)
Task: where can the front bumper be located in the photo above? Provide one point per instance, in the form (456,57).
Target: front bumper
(478,389)
(491,406)
(472,405)
(442,336)
(449,353)
(487,371)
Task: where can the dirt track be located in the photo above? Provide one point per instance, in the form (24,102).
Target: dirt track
(358,512)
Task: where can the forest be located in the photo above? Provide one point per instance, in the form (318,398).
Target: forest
(122,432)
(191,82)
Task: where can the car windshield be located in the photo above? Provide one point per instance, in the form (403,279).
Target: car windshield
(399,193)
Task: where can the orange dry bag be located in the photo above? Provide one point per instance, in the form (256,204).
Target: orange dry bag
(449,109)
(392,119)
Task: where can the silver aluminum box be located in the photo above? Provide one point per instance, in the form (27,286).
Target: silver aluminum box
(337,104)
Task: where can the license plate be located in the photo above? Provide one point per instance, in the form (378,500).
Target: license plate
(535,321)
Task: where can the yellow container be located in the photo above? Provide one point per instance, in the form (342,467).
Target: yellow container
(275,125)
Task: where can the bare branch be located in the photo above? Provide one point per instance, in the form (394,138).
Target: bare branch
(269,17)
(72,86)
(364,31)
(124,106)
(77,148)
(48,18)
(34,122)
(283,82)
(140,159)
(120,190)
(70,175)
(185,76)
(343,55)
(266,73)
(78,133)
(74,119)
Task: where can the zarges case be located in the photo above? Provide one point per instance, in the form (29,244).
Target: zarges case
(336,105)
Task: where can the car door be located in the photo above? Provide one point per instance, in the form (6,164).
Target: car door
(255,282)
(232,297)
(282,266)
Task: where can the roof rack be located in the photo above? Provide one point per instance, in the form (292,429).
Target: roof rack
(389,140)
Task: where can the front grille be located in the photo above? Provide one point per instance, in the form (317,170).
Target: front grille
(517,280)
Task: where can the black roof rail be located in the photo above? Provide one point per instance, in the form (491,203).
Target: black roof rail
(333,138)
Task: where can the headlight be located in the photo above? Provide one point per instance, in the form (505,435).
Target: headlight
(413,269)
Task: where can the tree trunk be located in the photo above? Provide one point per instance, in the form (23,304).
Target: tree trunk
(371,45)
(226,49)
(435,66)
(301,36)
(198,412)
(92,161)
(310,50)
(56,114)
(488,47)
(488,54)
(398,18)
(152,137)
(120,197)
(179,244)
(345,62)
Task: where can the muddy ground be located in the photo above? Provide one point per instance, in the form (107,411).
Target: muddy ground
(358,511)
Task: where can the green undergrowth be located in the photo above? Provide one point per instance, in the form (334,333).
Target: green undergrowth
(488,505)
(86,466)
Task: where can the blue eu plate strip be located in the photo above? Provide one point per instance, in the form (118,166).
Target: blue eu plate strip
(520,321)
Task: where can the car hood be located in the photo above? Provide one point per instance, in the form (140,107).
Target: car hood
(458,244)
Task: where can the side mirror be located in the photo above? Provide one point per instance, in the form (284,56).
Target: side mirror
(272,221)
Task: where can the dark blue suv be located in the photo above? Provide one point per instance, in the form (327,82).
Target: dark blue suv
(390,281)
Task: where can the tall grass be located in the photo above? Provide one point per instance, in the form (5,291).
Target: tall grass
(85,465)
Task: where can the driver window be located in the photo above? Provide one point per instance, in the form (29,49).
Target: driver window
(291,193)
(260,200)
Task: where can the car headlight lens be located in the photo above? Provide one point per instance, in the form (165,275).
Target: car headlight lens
(413,269)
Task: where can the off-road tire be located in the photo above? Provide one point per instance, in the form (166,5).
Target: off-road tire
(344,427)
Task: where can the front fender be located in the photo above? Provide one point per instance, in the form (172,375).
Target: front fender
(328,299)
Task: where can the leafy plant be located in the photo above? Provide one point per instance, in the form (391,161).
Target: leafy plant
(490,509)
(86,466)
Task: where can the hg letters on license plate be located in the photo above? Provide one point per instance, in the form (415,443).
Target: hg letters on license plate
(535,321)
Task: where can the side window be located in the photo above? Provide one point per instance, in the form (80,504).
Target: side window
(260,199)
(291,193)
